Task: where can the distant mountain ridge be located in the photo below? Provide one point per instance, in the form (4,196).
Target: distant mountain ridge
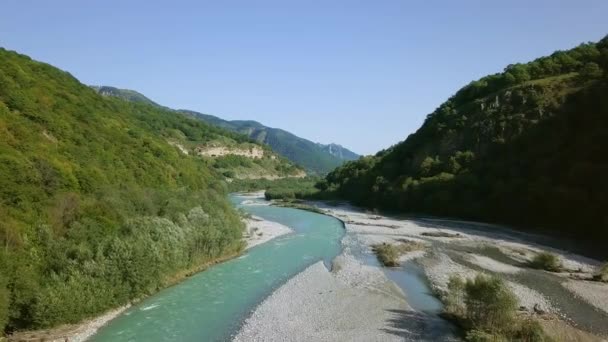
(315,157)
(125,94)
(339,151)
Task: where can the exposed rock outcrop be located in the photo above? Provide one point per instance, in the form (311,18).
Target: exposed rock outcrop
(218,151)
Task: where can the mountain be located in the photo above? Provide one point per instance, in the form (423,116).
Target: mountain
(525,146)
(125,94)
(339,151)
(314,157)
(102,200)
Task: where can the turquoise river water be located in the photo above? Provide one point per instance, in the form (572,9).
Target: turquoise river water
(211,305)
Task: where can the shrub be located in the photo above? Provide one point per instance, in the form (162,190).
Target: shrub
(490,305)
(229,174)
(546,261)
(602,273)
(486,308)
(454,299)
(530,330)
(389,254)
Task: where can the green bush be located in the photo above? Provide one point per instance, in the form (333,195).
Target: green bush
(529,330)
(490,305)
(486,308)
(454,298)
(229,174)
(388,254)
(546,261)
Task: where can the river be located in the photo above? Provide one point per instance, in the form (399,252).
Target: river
(211,305)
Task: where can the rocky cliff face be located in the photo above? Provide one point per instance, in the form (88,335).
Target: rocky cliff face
(254,152)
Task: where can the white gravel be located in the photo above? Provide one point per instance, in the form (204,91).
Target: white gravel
(491,264)
(529,298)
(309,307)
(412,256)
(85,331)
(260,231)
(441,267)
(316,306)
(594,293)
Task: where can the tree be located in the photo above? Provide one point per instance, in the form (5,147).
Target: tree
(591,70)
(519,72)
(429,166)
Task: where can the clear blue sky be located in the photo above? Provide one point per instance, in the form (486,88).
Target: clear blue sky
(360,73)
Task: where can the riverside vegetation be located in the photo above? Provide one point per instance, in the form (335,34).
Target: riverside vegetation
(98,205)
(546,261)
(487,310)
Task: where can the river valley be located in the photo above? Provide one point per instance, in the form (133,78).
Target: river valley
(328,285)
(210,305)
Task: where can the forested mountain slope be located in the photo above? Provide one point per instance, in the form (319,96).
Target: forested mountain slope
(232,154)
(526,146)
(314,157)
(102,200)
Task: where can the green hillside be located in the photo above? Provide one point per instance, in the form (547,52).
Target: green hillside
(526,147)
(270,166)
(314,157)
(102,200)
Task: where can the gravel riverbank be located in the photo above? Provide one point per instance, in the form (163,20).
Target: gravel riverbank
(259,231)
(468,248)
